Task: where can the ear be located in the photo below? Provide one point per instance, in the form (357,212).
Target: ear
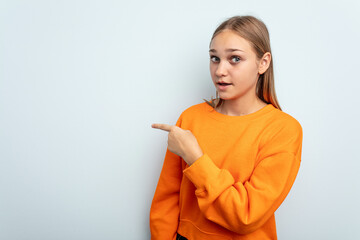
(264,62)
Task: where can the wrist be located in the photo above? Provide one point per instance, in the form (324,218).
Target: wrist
(192,157)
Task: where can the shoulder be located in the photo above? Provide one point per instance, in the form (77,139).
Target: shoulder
(287,119)
(197,109)
(194,113)
(282,133)
(282,123)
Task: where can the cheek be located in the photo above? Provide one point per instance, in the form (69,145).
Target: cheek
(252,68)
(212,71)
(245,72)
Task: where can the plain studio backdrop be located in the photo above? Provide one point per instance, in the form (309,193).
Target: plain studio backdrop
(82,81)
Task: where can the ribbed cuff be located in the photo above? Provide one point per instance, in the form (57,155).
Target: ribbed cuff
(202,172)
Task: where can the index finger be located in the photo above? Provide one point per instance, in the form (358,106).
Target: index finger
(162,126)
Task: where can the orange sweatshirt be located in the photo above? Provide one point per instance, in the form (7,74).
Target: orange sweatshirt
(249,165)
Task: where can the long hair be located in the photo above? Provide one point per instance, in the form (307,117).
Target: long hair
(256,33)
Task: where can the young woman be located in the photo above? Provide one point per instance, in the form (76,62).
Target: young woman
(230,161)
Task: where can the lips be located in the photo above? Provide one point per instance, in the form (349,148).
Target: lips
(223,83)
(223,86)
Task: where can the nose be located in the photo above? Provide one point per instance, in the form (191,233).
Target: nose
(221,69)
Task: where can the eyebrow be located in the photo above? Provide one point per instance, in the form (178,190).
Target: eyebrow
(227,50)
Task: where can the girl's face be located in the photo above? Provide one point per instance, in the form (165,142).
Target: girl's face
(233,66)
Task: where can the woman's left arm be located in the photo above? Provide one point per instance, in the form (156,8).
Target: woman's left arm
(243,207)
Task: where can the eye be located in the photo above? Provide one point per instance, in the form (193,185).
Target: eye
(235,59)
(214,58)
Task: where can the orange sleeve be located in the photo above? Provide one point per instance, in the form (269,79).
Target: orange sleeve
(164,211)
(243,207)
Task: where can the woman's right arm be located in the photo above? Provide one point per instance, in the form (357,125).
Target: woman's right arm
(164,212)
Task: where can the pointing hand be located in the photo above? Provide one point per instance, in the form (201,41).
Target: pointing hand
(181,142)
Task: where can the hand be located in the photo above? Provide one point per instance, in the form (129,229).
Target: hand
(181,142)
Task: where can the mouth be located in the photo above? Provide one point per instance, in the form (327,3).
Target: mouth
(223,84)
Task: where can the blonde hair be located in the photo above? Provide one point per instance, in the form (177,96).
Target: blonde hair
(256,32)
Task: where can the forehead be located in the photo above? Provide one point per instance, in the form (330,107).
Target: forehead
(229,39)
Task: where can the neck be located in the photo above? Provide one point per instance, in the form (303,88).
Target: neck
(240,108)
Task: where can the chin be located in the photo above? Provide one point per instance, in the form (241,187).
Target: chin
(225,96)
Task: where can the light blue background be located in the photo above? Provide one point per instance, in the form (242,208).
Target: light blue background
(82,81)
